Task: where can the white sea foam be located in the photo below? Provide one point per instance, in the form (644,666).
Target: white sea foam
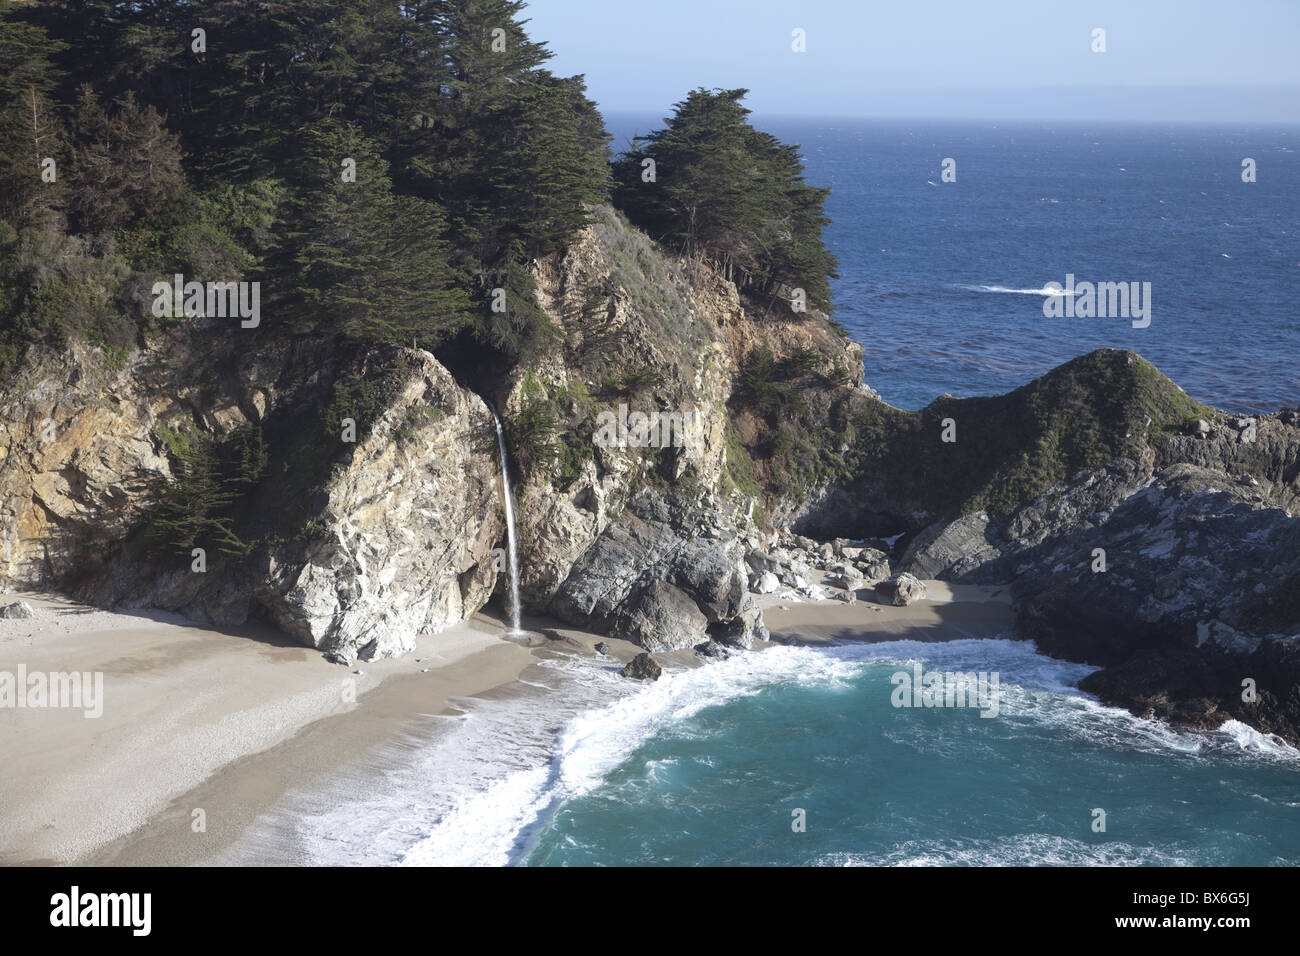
(1250,739)
(499,825)
(1002,288)
(1030,849)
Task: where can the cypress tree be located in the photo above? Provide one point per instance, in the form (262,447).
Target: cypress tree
(368,262)
(730,195)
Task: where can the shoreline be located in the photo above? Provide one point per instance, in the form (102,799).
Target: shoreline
(176,744)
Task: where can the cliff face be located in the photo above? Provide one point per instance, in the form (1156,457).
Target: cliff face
(648,541)
(355,546)
(78,469)
(360,545)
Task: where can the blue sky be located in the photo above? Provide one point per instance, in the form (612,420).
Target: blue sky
(1165,59)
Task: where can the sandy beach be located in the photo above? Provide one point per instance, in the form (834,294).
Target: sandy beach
(204,730)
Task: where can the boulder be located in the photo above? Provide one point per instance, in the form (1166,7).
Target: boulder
(765,583)
(642,667)
(900,590)
(643,580)
(845,576)
(741,630)
(874,566)
(712,580)
(661,617)
(602,648)
(712,650)
(17,610)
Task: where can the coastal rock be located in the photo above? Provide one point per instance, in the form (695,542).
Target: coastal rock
(602,648)
(765,583)
(712,650)
(1177,591)
(364,545)
(80,468)
(845,576)
(408,526)
(660,617)
(949,550)
(711,577)
(644,580)
(739,632)
(759,561)
(900,590)
(642,667)
(873,565)
(1085,502)
(17,610)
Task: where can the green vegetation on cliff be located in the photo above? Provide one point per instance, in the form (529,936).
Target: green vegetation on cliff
(379,168)
(1007,449)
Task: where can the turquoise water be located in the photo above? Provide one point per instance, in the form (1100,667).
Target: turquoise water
(578,766)
(886,785)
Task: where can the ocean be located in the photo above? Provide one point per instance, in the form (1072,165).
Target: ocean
(940,281)
(797,755)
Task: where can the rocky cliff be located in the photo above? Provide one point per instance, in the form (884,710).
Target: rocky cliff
(1174,566)
(355,493)
(353,541)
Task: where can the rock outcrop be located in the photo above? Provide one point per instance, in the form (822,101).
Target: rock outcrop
(644,580)
(642,667)
(359,545)
(1182,583)
(900,590)
(16,610)
(784,473)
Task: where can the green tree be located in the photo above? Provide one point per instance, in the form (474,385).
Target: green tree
(513,151)
(730,195)
(370,263)
(124,165)
(30,128)
(193,508)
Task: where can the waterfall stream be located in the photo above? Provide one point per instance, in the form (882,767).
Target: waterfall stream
(510,525)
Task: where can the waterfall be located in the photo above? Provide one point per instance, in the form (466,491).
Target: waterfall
(510,524)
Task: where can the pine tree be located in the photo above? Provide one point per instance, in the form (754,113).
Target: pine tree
(192,508)
(513,151)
